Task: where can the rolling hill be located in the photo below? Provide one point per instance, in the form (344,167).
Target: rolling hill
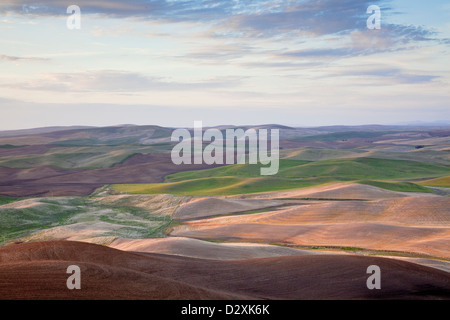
(237,179)
(108,273)
(140,227)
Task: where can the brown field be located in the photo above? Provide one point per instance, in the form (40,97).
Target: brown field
(48,181)
(26,150)
(202,207)
(413,223)
(38,271)
(194,248)
(334,191)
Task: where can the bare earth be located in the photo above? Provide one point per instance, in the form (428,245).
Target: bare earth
(205,250)
(393,221)
(38,271)
(48,181)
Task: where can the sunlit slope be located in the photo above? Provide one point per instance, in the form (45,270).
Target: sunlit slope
(438,182)
(415,224)
(236,179)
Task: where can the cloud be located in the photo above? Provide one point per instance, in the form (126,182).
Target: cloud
(386,76)
(321,18)
(17,59)
(391,38)
(312,53)
(155,9)
(255,34)
(249,18)
(116,81)
(312,17)
(220,53)
(289,65)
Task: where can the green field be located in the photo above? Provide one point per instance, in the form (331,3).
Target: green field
(5,200)
(409,153)
(319,154)
(397,186)
(219,186)
(238,170)
(237,179)
(438,182)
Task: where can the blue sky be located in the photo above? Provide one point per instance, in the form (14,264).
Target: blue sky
(301,63)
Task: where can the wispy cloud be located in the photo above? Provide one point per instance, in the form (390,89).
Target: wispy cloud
(155,9)
(384,75)
(241,19)
(117,81)
(17,59)
(316,17)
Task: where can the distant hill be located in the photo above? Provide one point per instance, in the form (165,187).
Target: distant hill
(129,130)
(75,160)
(22,132)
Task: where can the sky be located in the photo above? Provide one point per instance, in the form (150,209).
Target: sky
(173,62)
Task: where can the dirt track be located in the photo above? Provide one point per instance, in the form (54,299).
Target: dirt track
(38,271)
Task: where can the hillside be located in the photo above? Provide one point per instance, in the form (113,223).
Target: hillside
(113,274)
(237,179)
(77,160)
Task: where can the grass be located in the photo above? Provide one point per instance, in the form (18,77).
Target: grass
(126,222)
(318,154)
(196,186)
(438,182)
(218,186)
(397,186)
(6,200)
(170,226)
(19,222)
(238,171)
(418,155)
(242,179)
(364,169)
(339,169)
